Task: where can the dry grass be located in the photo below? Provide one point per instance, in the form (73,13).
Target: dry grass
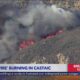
(62,59)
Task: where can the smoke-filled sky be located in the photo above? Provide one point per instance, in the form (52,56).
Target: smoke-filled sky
(33,22)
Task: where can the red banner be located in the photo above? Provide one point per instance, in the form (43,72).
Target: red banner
(73,67)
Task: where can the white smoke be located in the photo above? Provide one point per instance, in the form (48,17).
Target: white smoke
(47,19)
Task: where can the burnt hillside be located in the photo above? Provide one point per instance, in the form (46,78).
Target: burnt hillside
(63,48)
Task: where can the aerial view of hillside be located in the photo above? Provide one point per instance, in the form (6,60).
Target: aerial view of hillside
(40,31)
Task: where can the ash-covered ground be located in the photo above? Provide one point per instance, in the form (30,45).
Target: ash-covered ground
(39,33)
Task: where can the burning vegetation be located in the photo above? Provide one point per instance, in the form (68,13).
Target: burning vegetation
(27,43)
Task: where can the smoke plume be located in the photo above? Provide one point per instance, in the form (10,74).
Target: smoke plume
(34,22)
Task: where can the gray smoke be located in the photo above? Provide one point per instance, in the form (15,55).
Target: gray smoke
(47,19)
(32,23)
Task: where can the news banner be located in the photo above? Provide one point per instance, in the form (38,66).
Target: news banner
(39,69)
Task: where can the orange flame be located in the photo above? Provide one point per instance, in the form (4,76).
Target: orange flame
(27,43)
